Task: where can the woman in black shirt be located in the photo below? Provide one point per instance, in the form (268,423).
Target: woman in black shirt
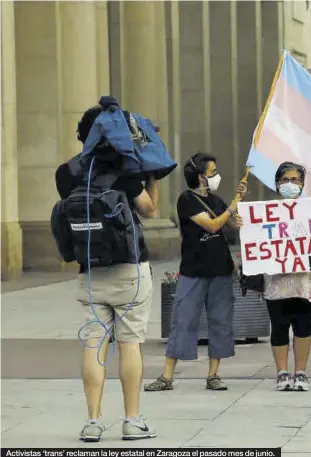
(205,273)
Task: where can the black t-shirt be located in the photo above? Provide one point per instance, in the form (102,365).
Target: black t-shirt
(133,188)
(66,182)
(203,254)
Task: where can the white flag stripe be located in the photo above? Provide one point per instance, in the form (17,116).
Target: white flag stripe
(295,138)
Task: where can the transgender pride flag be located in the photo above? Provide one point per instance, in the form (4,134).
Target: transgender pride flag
(283,132)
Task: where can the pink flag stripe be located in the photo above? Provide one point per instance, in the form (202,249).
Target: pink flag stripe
(296,139)
(307,188)
(297,108)
(274,148)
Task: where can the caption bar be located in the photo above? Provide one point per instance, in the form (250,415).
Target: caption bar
(148,452)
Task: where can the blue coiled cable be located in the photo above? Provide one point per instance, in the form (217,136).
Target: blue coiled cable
(108,331)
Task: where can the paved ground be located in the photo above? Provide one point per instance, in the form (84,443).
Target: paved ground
(40,359)
(43,403)
(44,413)
(41,306)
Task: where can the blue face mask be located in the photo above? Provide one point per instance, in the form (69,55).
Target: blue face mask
(290,190)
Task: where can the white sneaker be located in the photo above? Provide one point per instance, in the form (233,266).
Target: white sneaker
(92,431)
(301,383)
(137,430)
(283,381)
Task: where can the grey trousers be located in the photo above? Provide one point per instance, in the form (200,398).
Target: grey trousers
(216,294)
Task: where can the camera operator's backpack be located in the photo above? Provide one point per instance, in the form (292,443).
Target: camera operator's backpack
(105,215)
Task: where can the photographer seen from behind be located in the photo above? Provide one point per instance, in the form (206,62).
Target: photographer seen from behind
(114,287)
(205,273)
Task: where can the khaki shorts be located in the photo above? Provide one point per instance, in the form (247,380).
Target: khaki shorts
(113,290)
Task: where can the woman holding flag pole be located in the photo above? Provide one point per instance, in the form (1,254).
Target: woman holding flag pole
(205,274)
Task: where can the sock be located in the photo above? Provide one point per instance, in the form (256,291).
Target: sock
(133,420)
(300,372)
(93,421)
(282,372)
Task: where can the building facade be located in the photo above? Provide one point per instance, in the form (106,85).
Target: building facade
(201,70)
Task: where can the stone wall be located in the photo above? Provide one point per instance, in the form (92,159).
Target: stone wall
(201,70)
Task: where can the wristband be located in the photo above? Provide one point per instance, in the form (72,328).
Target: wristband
(231,211)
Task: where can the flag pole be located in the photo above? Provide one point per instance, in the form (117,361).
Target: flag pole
(264,113)
(244,180)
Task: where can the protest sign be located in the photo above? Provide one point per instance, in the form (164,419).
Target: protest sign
(276,236)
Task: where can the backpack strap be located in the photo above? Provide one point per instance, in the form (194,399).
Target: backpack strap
(74,166)
(105,180)
(101,179)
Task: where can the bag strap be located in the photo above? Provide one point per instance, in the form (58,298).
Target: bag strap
(208,209)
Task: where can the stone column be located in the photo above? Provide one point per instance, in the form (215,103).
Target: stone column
(273,30)
(191,78)
(248,88)
(115,51)
(144,71)
(78,51)
(207,71)
(221,100)
(138,56)
(174,85)
(11,235)
(37,115)
(102,47)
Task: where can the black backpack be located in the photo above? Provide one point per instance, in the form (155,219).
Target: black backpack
(104,215)
(255,283)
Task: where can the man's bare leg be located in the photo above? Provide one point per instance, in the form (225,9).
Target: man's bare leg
(93,375)
(131,371)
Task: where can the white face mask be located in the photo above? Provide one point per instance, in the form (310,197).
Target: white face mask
(213,182)
(290,190)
